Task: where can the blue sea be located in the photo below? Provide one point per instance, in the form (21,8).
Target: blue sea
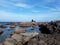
(8,31)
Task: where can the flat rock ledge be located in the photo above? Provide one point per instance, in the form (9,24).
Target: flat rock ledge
(20,39)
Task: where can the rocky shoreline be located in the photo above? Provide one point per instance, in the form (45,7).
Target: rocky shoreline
(50,34)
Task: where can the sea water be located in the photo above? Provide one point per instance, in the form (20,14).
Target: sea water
(7,31)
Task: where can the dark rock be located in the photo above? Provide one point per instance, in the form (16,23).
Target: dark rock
(45,39)
(1,32)
(44,29)
(3,26)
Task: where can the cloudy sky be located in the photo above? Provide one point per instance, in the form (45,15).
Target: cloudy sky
(25,10)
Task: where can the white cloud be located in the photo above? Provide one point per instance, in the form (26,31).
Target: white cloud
(23,5)
(14,4)
(7,16)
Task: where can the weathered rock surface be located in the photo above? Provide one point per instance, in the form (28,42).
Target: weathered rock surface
(21,30)
(12,41)
(17,37)
(45,39)
(1,32)
(50,34)
(20,39)
(50,28)
(28,36)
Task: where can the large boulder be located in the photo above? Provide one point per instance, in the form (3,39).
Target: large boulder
(43,28)
(45,39)
(1,32)
(28,36)
(21,30)
(17,37)
(12,26)
(23,37)
(3,26)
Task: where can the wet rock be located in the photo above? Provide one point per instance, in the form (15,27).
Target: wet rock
(21,30)
(12,26)
(3,26)
(1,32)
(44,29)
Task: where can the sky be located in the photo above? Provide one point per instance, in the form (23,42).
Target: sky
(26,10)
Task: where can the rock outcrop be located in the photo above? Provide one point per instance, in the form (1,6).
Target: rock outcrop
(1,32)
(45,39)
(20,39)
(50,28)
(50,35)
(44,29)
